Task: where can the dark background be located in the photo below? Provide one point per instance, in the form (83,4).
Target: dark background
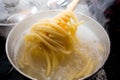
(112,65)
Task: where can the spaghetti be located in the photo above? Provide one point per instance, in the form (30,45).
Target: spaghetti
(50,42)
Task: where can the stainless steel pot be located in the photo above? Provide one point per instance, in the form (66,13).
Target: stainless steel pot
(17,32)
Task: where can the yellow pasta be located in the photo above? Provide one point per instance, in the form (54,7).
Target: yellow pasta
(50,42)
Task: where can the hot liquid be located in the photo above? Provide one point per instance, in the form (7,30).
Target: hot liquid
(72,66)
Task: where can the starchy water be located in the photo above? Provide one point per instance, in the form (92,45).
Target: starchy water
(91,51)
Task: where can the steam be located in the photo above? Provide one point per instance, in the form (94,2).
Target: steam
(92,8)
(97,9)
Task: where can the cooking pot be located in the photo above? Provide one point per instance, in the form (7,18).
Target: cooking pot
(18,32)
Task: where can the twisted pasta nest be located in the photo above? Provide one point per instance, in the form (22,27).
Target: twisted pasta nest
(49,41)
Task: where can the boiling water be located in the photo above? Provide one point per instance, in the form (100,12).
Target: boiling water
(90,49)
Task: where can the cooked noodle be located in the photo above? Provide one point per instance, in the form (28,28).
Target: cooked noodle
(50,42)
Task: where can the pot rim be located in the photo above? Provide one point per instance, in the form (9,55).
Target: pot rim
(85,77)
